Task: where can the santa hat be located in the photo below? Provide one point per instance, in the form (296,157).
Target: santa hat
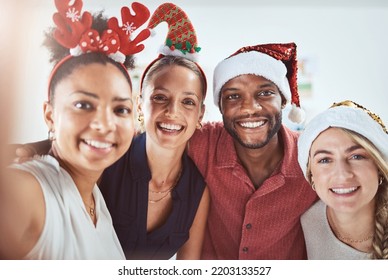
(275,62)
(349,115)
(181,38)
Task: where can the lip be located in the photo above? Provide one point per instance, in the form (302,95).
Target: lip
(251,123)
(101,145)
(170,127)
(344,190)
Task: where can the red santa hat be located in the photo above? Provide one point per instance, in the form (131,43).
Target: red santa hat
(181,38)
(275,62)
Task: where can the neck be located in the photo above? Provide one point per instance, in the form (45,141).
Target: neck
(84,180)
(354,229)
(260,163)
(166,173)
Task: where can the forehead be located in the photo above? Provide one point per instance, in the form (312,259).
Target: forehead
(176,77)
(332,137)
(249,80)
(96,78)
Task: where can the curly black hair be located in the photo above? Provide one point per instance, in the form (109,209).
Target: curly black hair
(58,52)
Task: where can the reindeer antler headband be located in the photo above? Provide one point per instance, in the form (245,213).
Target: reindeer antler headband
(74,31)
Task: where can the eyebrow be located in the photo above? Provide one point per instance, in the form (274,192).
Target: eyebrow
(95,96)
(348,150)
(188,93)
(262,86)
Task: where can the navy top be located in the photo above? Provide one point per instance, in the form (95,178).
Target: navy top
(124,186)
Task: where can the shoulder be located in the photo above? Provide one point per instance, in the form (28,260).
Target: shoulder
(314,214)
(208,130)
(191,171)
(23,206)
(27,177)
(289,135)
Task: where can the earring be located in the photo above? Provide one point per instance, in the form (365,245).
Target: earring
(51,135)
(140,119)
(381,179)
(199,125)
(313,186)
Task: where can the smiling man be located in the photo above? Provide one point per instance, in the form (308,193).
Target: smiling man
(249,161)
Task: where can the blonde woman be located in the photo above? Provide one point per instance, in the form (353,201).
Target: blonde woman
(343,153)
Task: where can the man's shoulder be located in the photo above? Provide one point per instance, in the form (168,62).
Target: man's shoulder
(289,136)
(208,131)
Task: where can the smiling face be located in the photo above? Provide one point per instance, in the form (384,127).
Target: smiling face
(251,108)
(92,117)
(344,173)
(172,105)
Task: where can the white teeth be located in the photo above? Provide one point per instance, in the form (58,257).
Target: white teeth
(344,191)
(251,124)
(170,126)
(98,144)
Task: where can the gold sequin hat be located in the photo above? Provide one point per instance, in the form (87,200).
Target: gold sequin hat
(346,114)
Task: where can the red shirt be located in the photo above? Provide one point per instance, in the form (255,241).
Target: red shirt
(245,223)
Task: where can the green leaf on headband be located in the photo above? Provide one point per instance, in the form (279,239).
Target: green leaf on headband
(197,49)
(168,42)
(188,46)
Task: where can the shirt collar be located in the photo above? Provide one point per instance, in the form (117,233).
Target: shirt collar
(228,157)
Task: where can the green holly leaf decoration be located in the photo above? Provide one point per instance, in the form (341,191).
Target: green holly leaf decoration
(188,46)
(178,46)
(168,42)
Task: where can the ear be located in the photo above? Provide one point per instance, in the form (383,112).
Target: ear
(202,113)
(284,101)
(48,115)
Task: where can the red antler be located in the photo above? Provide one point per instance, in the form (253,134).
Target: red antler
(70,23)
(130,24)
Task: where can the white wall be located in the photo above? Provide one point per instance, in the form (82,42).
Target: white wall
(347,42)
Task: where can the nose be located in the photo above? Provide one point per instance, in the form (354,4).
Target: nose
(250,105)
(172,109)
(103,121)
(343,170)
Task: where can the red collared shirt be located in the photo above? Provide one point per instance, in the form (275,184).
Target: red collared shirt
(245,223)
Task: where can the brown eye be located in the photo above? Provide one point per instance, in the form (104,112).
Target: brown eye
(159,98)
(232,97)
(83,105)
(189,101)
(266,93)
(123,111)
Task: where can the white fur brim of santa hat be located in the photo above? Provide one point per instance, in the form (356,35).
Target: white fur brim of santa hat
(260,64)
(354,119)
(255,63)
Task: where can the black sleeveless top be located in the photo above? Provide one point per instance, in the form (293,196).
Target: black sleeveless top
(124,186)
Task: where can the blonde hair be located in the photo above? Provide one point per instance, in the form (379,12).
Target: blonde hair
(380,239)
